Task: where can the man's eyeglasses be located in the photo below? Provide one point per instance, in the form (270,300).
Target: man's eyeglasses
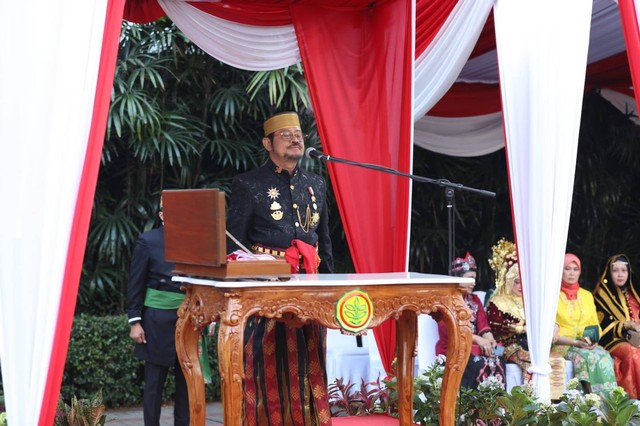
(287,135)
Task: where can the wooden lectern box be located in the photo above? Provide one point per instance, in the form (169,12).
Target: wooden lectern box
(195,238)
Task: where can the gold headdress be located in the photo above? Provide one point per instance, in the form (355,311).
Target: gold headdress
(503,257)
(280,121)
(504,262)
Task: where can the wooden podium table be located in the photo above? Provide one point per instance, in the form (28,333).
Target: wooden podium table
(313,298)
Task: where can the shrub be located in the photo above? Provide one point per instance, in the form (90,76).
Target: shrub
(100,358)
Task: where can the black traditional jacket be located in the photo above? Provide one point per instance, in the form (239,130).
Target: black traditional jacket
(271,207)
(150,270)
(613,311)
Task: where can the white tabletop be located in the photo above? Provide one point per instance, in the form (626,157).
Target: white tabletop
(345,280)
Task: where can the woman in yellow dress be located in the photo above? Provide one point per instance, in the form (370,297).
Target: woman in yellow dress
(592,364)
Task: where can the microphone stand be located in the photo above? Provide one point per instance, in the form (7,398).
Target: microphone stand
(449,190)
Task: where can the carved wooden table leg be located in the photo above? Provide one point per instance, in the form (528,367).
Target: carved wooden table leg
(458,351)
(405,348)
(187,349)
(231,363)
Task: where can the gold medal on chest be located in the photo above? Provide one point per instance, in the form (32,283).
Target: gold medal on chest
(276,211)
(315,218)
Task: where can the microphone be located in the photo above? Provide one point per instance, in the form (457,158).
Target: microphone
(314,154)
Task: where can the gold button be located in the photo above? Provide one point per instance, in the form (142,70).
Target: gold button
(291,186)
(295,205)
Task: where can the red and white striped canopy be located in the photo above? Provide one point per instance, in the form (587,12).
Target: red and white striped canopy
(515,75)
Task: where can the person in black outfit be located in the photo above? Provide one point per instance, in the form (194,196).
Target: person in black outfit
(280,202)
(280,209)
(152,307)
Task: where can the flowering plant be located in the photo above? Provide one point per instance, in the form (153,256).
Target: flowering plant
(492,405)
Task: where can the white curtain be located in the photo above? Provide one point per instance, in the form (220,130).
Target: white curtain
(460,136)
(248,47)
(542,55)
(606,40)
(261,48)
(439,65)
(47,88)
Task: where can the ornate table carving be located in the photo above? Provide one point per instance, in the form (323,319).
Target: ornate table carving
(306,298)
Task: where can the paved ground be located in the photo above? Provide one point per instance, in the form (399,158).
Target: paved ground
(133,416)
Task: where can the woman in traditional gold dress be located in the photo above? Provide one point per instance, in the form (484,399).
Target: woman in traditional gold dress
(506,317)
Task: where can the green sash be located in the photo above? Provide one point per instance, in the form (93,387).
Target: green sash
(205,364)
(169,300)
(163,299)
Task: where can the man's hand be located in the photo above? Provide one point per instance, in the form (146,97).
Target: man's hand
(137,334)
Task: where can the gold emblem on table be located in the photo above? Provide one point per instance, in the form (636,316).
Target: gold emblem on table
(354,311)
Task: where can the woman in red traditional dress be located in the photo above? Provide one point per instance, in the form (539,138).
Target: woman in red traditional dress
(618,306)
(483,362)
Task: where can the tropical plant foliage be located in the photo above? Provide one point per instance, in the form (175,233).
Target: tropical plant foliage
(479,221)
(605,214)
(178,119)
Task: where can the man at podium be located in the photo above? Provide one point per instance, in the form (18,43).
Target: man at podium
(280,209)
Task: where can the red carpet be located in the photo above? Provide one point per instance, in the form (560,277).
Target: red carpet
(375,420)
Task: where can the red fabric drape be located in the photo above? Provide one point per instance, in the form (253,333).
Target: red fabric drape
(359,69)
(82,215)
(430,15)
(628,14)
(357,56)
(487,40)
(467,99)
(142,11)
(267,13)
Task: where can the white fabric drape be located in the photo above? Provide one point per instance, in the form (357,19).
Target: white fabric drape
(439,65)
(266,48)
(46,105)
(460,136)
(483,134)
(606,40)
(242,46)
(542,72)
